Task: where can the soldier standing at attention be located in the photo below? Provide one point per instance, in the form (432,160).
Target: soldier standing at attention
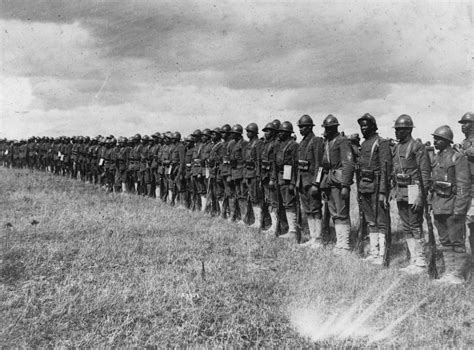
(252,154)
(188,193)
(198,181)
(450,201)
(134,161)
(408,155)
(269,149)
(121,162)
(338,164)
(216,187)
(467,128)
(178,165)
(238,188)
(225,170)
(285,173)
(310,154)
(374,153)
(206,146)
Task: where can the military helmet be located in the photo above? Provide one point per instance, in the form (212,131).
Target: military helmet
(330,120)
(145,138)
(286,126)
(404,121)
(444,132)
(121,139)
(217,131)
(156,135)
(137,137)
(168,135)
(226,128)
(237,129)
(369,117)
(189,138)
(196,133)
(269,126)
(467,118)
(177,135)
(305,120)
(276,123)
(252,127)
(206,132)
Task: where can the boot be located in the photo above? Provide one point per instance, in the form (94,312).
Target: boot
(170,197)
(157,192)
(374,247)
(417,259)
(379,259)
(450,275)
(221,206)
(149,191)
(291,234)
(124,187)
(257,212)
(203,203)
(271,231)
(315,229)
(343,231)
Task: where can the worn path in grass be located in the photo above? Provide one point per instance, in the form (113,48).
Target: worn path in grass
(81,267)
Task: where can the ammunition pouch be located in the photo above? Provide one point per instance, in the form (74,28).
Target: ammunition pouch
(249,165)
(226,161)
(166,163)
(197,162)
(266,165)
(303,165)
(188,165)
(334,177)
(403,180)
(443,188)
(367,175)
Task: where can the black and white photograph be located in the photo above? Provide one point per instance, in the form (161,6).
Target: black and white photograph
(236,174)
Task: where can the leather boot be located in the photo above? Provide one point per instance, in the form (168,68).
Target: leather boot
(124,187)
(203,203)
(291,218)
(343,231)
(257,213)
(417,259)
(271,231)
(379,259)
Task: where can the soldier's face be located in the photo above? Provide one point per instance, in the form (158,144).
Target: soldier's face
(366,128)
(283,136)
(250,134)
(466,128)
(402,133)
(305,130)
(268,134)
(440,143)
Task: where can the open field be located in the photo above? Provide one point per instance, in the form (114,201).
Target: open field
(84,268)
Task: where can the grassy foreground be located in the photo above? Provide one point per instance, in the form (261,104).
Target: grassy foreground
(84,268)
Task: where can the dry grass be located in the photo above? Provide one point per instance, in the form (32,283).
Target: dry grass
(84,268)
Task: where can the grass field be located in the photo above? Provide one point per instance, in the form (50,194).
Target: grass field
(84,268)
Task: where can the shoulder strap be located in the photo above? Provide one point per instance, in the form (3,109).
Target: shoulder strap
(375,146)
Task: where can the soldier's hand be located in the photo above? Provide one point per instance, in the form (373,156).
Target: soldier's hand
(291,189)
(314,190)
(345,193)
(383,201)
(417,205)
(229,179)
(271,184)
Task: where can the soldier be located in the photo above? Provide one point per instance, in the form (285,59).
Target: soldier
(204,157)
(338,164)
(215,190)
(109,164)
(269,149)
(197,170)
(143,174)
(238,188)
(310,154)
(121,165)
(94,160)
(407,156)
(134,162)
(188,162)
(374,154)
(23,153)
(467,128)
(285,173)
(225,170)
(450,201)
(177,168)
(252,177)
(153,158)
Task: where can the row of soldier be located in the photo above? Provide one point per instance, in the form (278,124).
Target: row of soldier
(272,183)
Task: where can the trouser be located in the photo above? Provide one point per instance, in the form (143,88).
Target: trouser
(451,230)
(412,222)
(375,215)
(310,205)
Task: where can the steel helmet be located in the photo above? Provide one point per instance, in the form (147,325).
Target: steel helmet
(237,129)
(269,126)
(156,135)
(226,128)
(145,138)
(216,131)
(369,117)
(467,118)
(330,120)
(196,133)
(305,120)
(121,139)
(168,135)
(252,127)
(137,137)
(444,132)
(177,135)
(404,121)
(286,126)
(276,123)
(207,132)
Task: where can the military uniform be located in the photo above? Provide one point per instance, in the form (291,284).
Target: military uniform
(216,186)
(238,187)
(252,154)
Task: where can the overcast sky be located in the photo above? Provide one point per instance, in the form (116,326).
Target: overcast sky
(121,67)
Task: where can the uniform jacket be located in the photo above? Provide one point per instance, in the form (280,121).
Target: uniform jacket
(215,158)
(269,148)
(451,183)
(374,152)
(236,156)
(287,155)
(252,154)
(310,156)
(338,161)
(468,147)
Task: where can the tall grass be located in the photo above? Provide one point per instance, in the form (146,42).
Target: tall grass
(84,268)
